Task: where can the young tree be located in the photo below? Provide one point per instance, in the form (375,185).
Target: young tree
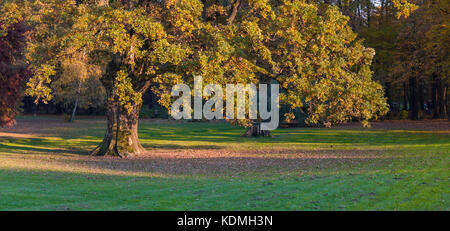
(78,86)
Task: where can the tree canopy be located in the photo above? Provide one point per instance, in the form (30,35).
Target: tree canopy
(306,46)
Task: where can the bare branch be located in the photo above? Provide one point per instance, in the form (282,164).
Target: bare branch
(234,11)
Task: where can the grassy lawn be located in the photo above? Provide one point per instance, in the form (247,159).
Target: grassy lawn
(207,166)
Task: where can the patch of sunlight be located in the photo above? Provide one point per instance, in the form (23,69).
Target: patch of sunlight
(421,131)
(32,147)
(397,146)
(21,164)
(18,135)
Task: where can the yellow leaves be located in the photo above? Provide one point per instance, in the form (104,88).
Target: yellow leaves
(164,52)
(216,11)
(126,96)
(311,53)
(163,87)
(37,85)
(263,7)
(184,15)
(148,28)
(79,81)
(10,13)
(404,7)
(289,116)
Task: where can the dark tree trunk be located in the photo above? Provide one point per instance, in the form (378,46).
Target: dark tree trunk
(421,93)
(388,97)
(405,97)
(121,138)
(448,103)
(255,131)
(439,98)
(442,100)
(434,96)
(413,99)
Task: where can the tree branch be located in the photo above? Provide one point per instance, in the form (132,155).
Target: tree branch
(234,11)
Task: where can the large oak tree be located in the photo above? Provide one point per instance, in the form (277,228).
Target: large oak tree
(308,49)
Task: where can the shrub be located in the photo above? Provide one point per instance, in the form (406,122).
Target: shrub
(404,115)
(66,117)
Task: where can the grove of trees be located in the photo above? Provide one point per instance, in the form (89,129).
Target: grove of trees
(412,56)
(336,61)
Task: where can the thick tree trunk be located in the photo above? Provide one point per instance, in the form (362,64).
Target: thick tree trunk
(255,131)
(121,139)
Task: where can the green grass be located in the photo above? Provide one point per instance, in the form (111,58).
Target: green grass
(44,166)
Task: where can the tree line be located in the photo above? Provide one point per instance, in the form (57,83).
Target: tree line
(412,56)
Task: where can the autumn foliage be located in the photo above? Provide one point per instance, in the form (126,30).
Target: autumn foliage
(336,61)
(13,71)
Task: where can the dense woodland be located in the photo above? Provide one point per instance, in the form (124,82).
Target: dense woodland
(336,61)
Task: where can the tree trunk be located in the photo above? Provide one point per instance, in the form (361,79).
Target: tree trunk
(434,97)
(442,101)
(421,93)
(413,99)
(387,87)
(439,96)
(234,11)
(255,131)
(74,111)
(121,139)
(448,103)
(405,97)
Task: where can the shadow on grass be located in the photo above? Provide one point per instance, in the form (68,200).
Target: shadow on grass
(228,134)
(81,137)
(176,146)
(46,146)
(14,149)
(42,146)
